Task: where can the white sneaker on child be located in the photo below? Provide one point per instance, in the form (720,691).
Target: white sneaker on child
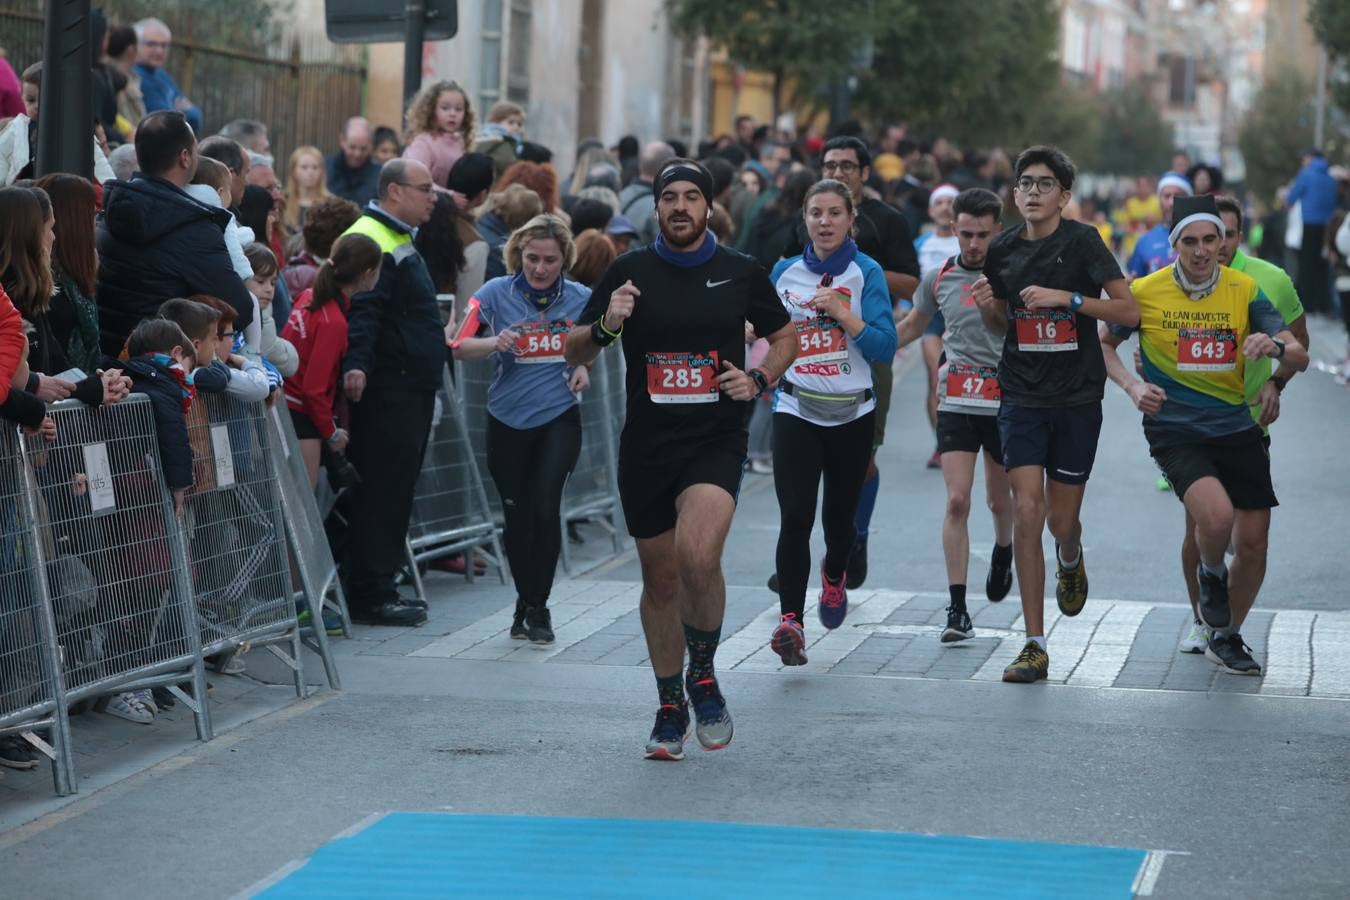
(130,707)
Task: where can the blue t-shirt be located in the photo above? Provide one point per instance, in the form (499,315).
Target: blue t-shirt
(1152,251)
(529,387)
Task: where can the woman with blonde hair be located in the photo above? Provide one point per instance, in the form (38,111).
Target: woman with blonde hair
(306,184)
(533,415)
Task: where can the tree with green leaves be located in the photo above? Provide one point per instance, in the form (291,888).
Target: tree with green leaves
(1330,20)
(972,67)
(1277,131)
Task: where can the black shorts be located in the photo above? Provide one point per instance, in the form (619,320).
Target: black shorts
(305,429)
(1241,463)
(649,485)
(967,433)
(1062,440)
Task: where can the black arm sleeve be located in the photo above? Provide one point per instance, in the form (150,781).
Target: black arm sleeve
(765,310)
(24,408)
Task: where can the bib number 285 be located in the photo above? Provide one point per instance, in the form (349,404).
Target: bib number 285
(682,377)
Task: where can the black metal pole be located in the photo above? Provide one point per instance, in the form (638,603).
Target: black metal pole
(415,17)
(66,111)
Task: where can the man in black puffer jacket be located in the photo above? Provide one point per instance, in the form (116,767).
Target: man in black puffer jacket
(155,242)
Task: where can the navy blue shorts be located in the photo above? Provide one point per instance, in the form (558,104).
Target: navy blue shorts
(1061,440)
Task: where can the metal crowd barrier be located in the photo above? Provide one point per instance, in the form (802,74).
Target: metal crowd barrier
(452,511)
(592,492)
(117,575)
(315,570)
(32,689)
(237,535)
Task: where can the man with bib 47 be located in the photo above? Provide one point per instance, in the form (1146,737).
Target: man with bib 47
(680,306)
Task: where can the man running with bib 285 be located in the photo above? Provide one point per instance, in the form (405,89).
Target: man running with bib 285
(1043,290)
(680,306)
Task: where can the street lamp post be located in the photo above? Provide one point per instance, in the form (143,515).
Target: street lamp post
(65,122)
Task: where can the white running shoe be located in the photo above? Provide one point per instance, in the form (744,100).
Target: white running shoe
(1196,640)
(129,706)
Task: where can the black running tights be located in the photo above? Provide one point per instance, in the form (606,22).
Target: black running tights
(803,452)
(530,468)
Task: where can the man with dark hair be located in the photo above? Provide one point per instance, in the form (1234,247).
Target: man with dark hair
(1202,325)
(351,172)
(968,402)
(232,156)
(155,242)
(882,234)
(1043,291)
(681,306)
(1261,388)
(392,370)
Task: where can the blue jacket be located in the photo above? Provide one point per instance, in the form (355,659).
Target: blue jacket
(161,92)
(1315,187)
(152,378)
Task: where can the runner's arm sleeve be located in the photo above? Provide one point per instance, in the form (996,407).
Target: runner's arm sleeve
(925,298)
(765,309)
(900,253)
(1122,332)
(780,267)
(1099,260)
(877,340)
(1285,297)
(1264,317)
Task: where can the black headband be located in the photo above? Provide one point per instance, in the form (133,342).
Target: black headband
(698,177)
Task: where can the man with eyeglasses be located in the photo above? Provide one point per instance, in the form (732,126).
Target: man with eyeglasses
(160,91)
(392,370)
(1042,290)
(882,234)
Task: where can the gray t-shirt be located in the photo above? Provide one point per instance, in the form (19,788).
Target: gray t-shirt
(973,351)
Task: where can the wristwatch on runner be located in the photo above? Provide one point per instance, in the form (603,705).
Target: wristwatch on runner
(1279,343)
(761,381)
(1279,381)
(1076,301)
(602,336)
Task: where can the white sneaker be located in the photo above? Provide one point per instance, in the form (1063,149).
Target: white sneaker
(761,467)
(130,707)
(1196,640)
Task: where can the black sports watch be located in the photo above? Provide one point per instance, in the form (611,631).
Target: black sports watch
(1279,343)
(1279,381)
(761,381)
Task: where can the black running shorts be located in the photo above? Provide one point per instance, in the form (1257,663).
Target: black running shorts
(1241,463)
(648,486)
(1062,440)
(966,433)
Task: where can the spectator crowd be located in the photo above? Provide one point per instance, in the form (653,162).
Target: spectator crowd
(195,262)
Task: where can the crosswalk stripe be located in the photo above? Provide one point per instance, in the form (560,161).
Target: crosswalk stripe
(1110,645)
(1288,668)
(827,650)
(575,630)
(750,639)
(1330,663)
(1070,638)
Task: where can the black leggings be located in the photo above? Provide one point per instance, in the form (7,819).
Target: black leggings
(530,469)
(802,452)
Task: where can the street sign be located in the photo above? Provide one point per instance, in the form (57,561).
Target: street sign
(375,21)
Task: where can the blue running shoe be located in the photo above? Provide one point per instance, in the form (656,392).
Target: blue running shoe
(833,606)
(710,712)
(669,733)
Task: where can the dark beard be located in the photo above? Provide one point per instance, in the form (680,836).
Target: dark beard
(680,244)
